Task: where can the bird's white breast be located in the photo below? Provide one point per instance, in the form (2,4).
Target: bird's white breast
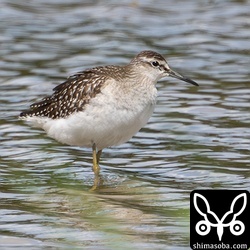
(111,118)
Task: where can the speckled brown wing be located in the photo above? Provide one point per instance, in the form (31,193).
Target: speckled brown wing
(70,96)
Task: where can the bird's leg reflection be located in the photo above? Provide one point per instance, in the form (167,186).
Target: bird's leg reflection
(97,183)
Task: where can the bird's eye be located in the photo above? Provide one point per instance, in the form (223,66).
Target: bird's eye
(155,63)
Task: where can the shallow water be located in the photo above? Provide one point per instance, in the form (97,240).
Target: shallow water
(197,137)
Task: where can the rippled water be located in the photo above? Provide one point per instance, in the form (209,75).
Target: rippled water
(197,137)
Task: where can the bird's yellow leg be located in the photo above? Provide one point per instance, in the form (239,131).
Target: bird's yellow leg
(96,157)
(96,168)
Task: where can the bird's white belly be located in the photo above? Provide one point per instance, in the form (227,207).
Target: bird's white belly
(102,122)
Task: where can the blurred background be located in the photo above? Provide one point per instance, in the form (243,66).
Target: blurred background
(197,137)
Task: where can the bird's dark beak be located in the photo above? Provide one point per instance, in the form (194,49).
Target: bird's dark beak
(179,76)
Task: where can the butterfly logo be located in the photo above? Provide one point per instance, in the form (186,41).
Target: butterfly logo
(210,219)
